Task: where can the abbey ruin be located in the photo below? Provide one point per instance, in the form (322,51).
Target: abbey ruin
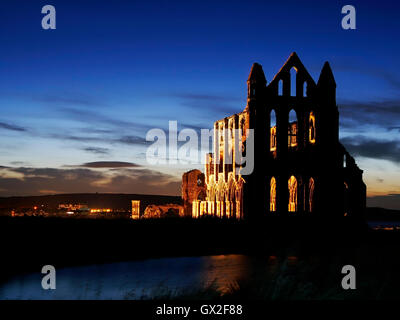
(300,166)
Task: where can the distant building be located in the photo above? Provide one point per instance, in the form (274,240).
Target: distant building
(73,207)
(101,210)
(163,211)
(300,166)
(135,209)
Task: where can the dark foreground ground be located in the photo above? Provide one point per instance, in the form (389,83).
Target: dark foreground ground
(322,247)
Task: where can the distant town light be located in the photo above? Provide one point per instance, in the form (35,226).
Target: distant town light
(100,210)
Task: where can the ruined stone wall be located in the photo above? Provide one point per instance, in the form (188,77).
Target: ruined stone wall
(298,159)
(193,188)
(163,211)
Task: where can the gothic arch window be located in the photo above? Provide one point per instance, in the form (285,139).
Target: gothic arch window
(311,128)
(200,181)
(243,126)
(305,89)
(292,129)
(272,195)
(293,74)
(239,198)
(231,191)
(212,193)
(311,186)
(221,144)
(280,88)
(292,185)
(272,126)
(201,196)
(243,138)
(231,141)
(346,199)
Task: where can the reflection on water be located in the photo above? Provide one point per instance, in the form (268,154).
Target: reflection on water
(224,271)
(145,279)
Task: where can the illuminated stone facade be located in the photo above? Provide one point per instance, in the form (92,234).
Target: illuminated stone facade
(300,167)
(163,211)
(193,189)
(135,209)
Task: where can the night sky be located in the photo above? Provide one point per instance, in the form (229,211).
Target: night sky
(76,102)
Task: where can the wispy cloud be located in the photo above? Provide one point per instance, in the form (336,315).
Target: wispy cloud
(389,77)
(105,139)
(373,148)
(384,114)
(12,127)
(109,164)
(218,105)
(32,181)
(394,128)
(131,140)
(69,99)
(19,163)
(97,150)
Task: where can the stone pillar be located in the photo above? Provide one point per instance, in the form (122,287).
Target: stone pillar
(195,208)
(218,209)
(228,209)
(216,152)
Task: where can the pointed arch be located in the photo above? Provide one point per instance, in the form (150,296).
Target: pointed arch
(231,187)
(346,198)
(272,121)
(221,145)
(272,195)
(305,86)
(292,129)
(292,76)
(212,192)
(280,87)
(293,81)
(292,116)
(272,128)
(311,128)
(242,139)
(292,186)
(243,126)
(311,187)
(231,142)
(201,195)
(239,198)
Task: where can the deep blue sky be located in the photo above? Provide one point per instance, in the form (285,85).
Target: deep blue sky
(90,90)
